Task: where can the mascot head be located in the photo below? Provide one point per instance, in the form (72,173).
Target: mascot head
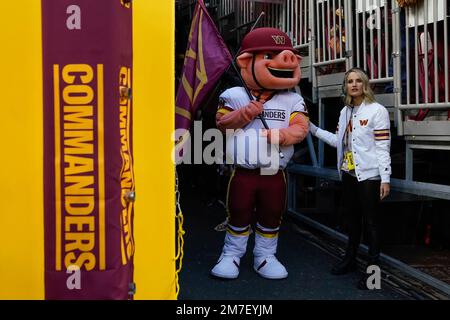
(268,61)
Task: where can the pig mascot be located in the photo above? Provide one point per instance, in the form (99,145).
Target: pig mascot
(270,67)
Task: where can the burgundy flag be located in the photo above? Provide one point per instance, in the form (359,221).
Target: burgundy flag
(206,59)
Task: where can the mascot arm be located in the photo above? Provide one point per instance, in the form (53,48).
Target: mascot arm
(295,133)
(238,118)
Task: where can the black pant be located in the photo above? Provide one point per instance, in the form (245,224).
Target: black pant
(361,206)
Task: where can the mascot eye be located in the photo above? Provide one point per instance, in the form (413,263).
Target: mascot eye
(267,56)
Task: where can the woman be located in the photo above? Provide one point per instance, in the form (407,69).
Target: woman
(363,142)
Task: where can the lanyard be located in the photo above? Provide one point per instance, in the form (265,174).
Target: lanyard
(348,127)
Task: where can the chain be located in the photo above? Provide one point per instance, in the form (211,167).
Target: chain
(180,232)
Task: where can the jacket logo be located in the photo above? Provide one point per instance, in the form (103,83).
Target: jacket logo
(363,122)
(279,39)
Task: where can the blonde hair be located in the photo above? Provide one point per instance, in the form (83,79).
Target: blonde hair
(368,95)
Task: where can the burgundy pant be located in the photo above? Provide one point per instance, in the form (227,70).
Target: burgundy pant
(250,193)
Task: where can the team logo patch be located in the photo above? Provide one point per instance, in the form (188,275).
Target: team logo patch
(363,122)
(274,114)
(279,39)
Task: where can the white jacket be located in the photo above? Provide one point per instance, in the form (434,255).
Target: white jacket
(371,140)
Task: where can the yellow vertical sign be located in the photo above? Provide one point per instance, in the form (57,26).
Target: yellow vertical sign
(153,124)
(101,166)
(21,215)
(58,214)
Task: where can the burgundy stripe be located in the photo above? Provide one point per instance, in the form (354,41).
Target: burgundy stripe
(381,134)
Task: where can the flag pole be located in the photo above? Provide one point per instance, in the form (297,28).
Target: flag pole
(233,63)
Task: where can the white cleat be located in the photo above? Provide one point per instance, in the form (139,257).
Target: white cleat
(270,268)
(227,267)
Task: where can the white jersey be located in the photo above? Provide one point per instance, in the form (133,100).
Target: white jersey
(246,147)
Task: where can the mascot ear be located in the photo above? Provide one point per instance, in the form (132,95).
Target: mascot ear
(244,59)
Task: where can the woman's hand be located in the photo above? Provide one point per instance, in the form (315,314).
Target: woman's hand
(312,128)
(385,188)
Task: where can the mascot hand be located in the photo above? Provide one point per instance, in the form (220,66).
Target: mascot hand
(253,109)
(295,133)
(239,118)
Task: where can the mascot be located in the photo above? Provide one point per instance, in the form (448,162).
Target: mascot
(269,66)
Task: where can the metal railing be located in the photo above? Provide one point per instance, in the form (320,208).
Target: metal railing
(374,38)
(247,11)
(297,24)
(329,42)
(423,75)
(350,33)
(225,7)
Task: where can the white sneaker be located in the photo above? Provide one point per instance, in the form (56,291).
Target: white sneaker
(269,267)
(227,267)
